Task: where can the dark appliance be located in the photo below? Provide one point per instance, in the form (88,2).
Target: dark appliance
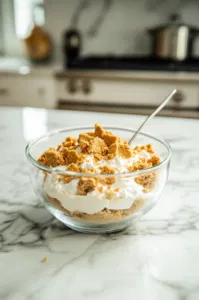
(72,43)
(131,63)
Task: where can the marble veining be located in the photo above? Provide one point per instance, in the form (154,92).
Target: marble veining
(157,259)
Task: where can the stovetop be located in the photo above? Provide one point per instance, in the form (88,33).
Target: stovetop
(132,63)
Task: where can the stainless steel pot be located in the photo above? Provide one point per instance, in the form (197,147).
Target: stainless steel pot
(174,40)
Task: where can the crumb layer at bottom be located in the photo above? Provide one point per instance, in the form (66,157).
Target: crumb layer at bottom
(106,215)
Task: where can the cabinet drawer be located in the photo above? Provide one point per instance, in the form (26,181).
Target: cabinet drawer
(145,93)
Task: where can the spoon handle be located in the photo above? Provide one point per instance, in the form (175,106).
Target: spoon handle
(162,104)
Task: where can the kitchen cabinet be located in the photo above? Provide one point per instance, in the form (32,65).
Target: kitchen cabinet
(126,89)
(23,90)
(80,88)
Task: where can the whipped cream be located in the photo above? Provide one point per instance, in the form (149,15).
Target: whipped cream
(119,164)
(95,201)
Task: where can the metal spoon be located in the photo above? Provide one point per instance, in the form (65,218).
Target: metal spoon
(162,104)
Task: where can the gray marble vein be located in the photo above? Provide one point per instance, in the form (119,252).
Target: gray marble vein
(156,259)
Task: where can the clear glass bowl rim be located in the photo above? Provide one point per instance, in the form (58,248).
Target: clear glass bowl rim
(69,173)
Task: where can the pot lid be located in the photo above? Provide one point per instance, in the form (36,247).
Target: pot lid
(175,21)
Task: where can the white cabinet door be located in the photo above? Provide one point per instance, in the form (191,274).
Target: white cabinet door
(27,91)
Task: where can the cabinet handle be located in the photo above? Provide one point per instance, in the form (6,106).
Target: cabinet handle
(72,86)
(4,91)
(86,86)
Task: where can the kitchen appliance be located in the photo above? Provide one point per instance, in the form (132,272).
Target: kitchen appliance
(71,44)
(174,40)
(132,63)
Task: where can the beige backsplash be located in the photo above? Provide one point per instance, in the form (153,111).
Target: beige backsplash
(123,28)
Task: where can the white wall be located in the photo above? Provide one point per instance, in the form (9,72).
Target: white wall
(12,46)
(123,29)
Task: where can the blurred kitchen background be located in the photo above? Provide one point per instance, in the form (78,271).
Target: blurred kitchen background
(103,55)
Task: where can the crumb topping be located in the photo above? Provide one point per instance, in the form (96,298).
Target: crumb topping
(101,146)
(97,146)
(52,158)
(154,160)
(86,185)
(107,170)
(84,141)
(99,131)
(148,148)
(72,156)
(74,168)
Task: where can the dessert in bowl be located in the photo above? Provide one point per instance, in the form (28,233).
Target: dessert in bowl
(93,181)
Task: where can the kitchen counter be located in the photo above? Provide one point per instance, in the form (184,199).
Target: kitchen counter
(11,66)
(157,259)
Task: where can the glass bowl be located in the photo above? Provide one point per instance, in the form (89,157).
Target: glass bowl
(92,212)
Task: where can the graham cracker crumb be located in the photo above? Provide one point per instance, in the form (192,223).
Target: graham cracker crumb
(98,157)
(148,148)
(90,171)
(109,138)
(99,131)
(148,181)
(97,146)
(86,185)
(71,139)
(105,215)
(52,158)
(44,260)
(73,168)
(139,165)
(66,178)
(107,180)
(111,192)
(100,189)
(59,147)
(154,160)
(84,140)
(122,150)
(92,134)
(113,150)
(107,170)
(72,156)
(70,143)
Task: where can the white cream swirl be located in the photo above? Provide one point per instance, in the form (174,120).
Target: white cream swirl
(94,202)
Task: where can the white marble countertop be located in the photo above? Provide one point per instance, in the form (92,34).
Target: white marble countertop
(159,259)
